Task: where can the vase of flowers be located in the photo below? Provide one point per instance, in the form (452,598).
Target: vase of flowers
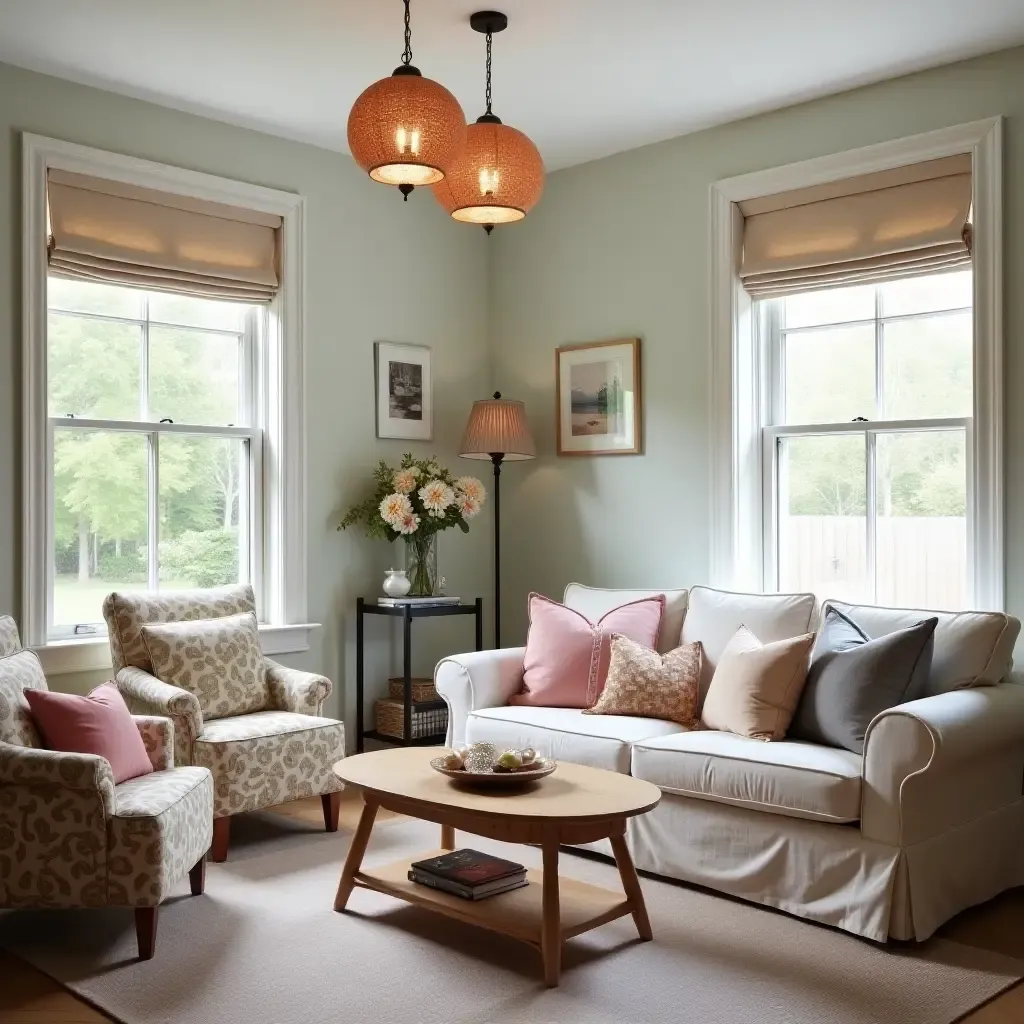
(416,502)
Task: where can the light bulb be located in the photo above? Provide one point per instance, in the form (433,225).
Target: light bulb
(408,142)
(488,181)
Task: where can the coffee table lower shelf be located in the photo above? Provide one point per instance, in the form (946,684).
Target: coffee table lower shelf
(518,914)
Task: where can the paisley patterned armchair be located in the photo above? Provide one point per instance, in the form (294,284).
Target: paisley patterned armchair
(262,751)
(69,837)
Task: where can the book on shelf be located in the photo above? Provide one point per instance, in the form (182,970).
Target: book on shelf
(466,892)
(469,873)
(417,602)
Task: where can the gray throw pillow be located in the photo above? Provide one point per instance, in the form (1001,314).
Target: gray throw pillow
(852,678)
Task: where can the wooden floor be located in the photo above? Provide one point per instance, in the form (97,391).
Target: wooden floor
(30,997)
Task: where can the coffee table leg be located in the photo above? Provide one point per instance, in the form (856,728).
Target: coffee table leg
(631,886)
(355,854)
(447,837)
(551,927)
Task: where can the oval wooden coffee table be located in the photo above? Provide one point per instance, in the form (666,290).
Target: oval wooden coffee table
(575,805)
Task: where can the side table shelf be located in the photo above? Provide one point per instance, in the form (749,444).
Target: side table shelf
(406,613)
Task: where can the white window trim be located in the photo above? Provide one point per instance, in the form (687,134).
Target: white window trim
(283,601)
(738,375)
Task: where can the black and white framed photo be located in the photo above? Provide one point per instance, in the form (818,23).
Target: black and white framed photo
(405,391)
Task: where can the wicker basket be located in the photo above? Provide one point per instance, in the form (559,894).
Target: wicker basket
(390,720)
(422,690)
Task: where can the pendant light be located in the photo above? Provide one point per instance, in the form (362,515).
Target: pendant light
(500,174)
(406,130)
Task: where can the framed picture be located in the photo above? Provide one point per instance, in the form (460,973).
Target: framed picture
(405,391)
(598,393)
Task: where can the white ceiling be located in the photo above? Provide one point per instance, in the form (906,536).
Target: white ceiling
(584,78)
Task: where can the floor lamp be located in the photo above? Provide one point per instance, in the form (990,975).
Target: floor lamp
(497,430)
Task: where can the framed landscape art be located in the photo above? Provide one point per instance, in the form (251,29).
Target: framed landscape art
(598,392)
(405,391)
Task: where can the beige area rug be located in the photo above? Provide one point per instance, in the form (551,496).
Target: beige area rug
(263,946)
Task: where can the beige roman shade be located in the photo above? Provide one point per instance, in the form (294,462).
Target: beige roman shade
(121,234)
(896,223)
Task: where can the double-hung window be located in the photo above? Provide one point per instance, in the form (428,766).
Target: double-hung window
(866,447)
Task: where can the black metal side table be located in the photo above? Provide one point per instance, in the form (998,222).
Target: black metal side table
(406,613)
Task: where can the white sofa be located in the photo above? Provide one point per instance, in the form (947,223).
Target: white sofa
(929,821)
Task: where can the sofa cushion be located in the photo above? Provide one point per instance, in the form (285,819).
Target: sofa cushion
(595,601)
(566,734)
(970,648)
(799,780)
(713,616)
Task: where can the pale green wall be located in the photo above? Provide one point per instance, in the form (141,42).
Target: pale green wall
(618,248)
(377,269)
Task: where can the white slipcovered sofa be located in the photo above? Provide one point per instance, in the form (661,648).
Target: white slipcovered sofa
(888,844)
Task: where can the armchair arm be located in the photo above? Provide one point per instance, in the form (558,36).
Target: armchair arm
(88,774)
(158,735)
(294,690)
(480,679)
(936,763)
(147,695)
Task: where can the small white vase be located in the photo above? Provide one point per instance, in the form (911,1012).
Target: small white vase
(396,583)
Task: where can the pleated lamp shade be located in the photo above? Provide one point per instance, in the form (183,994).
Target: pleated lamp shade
(498,426)
(406,129)
(496,180)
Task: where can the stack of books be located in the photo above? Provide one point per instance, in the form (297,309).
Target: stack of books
(438,601)
(469,874)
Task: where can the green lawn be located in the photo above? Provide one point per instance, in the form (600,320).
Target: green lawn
(75,602)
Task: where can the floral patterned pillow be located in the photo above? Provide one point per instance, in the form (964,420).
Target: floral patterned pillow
(219,660)
(644,683)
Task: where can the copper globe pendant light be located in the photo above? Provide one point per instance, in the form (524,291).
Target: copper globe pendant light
(406,130)
(500,174)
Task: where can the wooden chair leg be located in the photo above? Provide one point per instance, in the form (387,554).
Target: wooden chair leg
(221,838)
(197,877)
(145,931)
(332,807)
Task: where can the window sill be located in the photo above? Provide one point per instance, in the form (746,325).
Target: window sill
(92,654)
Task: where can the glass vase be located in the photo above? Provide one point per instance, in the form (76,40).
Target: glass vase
(421,564)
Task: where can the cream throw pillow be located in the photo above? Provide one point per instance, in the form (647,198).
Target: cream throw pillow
(756,687)
(644,683)
(219,660)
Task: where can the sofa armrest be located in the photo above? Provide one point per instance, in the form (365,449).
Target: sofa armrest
(35,768)
(294,690)
(157,733)
(147,695)
(480,679)
(936,763)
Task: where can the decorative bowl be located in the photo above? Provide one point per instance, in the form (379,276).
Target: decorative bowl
(496,779)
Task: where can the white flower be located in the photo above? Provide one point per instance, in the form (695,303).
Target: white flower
(436,496)
(405,481)
(394,508)
(408,523)
(468,506)
(471,488)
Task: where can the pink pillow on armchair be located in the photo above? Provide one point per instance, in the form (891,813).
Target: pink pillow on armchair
(98,724)
(567,655)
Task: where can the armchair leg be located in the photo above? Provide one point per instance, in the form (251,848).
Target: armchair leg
(145,931)
(221,838)
(332,807)
(197,877)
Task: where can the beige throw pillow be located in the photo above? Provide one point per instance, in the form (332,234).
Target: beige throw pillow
(219,660)
(644,683)
(756,687)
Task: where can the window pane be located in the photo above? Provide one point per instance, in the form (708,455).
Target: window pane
(921,486)
(100,520)
(189,311)
(193,376)
(93,297)
(822,524)
(927,294)
(927,367)
(829,306)
(830,375)
(203,503)
(93,367)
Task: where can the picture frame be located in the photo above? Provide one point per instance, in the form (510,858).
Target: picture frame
(404,387)
(598,395)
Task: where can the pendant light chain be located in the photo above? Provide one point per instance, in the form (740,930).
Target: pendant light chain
(407,53)
(488,93)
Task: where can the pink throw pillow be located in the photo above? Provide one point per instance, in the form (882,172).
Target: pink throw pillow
(567,655)
(97,724)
